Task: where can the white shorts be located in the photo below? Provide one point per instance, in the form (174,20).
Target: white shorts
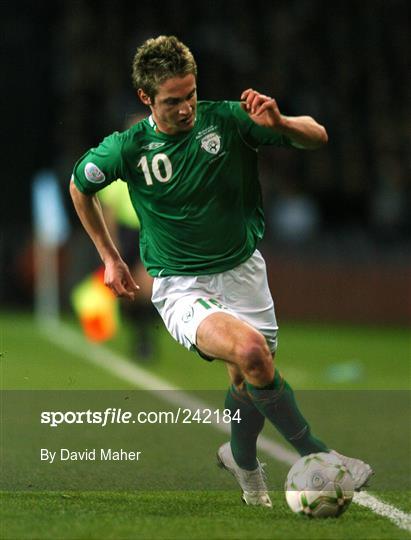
(185,301)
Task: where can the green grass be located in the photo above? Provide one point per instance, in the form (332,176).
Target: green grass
(326,363)
(200,515)
(29,361)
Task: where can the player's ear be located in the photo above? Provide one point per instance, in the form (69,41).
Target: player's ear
(144,97)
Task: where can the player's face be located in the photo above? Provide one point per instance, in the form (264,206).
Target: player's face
(174,107)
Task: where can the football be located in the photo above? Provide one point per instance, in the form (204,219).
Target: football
(319,485)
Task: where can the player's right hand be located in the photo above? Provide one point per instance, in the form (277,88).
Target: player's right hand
(117,277)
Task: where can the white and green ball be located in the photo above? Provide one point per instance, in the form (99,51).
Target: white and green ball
(319,485)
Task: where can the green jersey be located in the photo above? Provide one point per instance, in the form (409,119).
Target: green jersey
(196,194)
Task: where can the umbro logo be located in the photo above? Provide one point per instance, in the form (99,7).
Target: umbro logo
(153,145)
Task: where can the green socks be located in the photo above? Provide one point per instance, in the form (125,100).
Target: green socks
(244,433)
(277,403)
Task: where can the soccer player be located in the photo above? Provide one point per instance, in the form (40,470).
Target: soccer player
(191,170)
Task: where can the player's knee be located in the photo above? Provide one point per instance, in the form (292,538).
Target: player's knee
(253,356)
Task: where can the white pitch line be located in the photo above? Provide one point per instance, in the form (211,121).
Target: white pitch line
(73,342)
(400,518)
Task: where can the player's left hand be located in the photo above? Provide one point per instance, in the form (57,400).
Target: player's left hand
(263,110)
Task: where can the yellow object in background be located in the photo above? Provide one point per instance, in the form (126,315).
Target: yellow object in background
(116,197)
(96,307)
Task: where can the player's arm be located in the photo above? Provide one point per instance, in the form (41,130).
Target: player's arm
(303,131)
(117,275)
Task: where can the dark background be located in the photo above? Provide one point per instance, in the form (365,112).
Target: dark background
(66,84)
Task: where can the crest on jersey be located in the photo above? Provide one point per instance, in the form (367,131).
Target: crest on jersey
(211,143)
(93,173)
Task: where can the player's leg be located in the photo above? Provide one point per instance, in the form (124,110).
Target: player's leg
(244,434)
(222,336)
(239,456)
(246,353)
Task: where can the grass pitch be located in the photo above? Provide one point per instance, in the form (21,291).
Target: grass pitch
(314,358)
(178,516)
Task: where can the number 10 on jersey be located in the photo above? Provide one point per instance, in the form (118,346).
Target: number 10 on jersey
(160,167)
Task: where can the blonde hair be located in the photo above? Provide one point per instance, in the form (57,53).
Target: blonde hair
(159,59)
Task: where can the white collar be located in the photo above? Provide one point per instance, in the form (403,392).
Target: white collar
(151,122)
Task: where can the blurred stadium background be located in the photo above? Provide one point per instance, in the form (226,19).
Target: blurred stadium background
(338,220)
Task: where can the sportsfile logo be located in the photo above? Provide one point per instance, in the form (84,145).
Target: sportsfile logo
(111,415)
(108,416)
